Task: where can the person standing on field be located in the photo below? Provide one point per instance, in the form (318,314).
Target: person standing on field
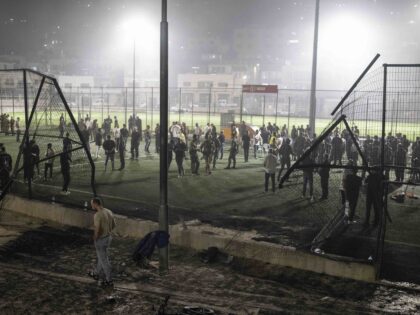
(109,148)
(124,133)
(148,139)
(195,163)
(207,148)
(98,141)
(232,153)
(17,126)
(222,143)
(270,164)
(121,152)
(49,163)
(65,160)
(104,224)
(135,142)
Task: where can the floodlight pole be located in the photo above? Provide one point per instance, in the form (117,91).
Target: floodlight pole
(312,108)
(163,209)
(134,79)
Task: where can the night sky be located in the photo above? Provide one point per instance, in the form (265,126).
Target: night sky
(84,29)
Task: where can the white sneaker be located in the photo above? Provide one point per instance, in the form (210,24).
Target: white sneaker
(312,199)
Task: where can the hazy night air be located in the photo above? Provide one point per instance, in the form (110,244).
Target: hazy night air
(280,33)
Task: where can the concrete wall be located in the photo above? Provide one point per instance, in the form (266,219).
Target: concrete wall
(198,239)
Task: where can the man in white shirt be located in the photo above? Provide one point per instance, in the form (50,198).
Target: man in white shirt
(175,131)
(104,223)
(270,164)
(207,128)
(197,131)
(257,142)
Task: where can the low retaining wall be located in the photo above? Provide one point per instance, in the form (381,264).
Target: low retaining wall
(198,239)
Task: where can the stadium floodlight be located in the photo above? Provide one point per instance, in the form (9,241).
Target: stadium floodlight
(138,30)
(346,37)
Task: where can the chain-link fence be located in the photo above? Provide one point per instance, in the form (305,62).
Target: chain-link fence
(189,105)
(365,159)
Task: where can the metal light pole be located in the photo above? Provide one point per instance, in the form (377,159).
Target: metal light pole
(134,79)
(163,209)
(312,109)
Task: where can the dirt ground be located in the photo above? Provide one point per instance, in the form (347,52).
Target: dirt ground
(44,271)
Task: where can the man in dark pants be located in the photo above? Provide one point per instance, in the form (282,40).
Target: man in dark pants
(285,152)
(121,152)
(324,173)
(138,125)
(207,147)
(135,142)
(336,149)
(17,123)
(49,163)
(124,135)
(27,165)
(170,152)
(12,126)
(109,148)
(216,148)
(245,143)
(352,185)
(221,139)
(373,197)
(308,177)
(5,167)
(67,145)
(180,149)
(61,126)
(195,163)
(400,162)
(65,170)
(232,153)
(157,138)
(35,152)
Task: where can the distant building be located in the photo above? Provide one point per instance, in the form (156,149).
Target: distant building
(214,89)
(74,81)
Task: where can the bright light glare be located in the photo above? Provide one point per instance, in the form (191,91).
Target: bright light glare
(143,31)
(347,41)
(346,36)
(140,29)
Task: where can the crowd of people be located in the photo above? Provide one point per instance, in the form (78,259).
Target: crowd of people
(278,145)
(10,126)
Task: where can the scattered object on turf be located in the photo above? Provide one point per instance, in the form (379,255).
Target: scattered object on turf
(93,275)
(210,255)
(399,197)
(193,310)
(145,248)
(411,195)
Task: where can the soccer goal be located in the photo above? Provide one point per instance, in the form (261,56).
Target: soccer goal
(49,148)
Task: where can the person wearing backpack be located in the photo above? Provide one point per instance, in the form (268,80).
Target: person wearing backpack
(104,224)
